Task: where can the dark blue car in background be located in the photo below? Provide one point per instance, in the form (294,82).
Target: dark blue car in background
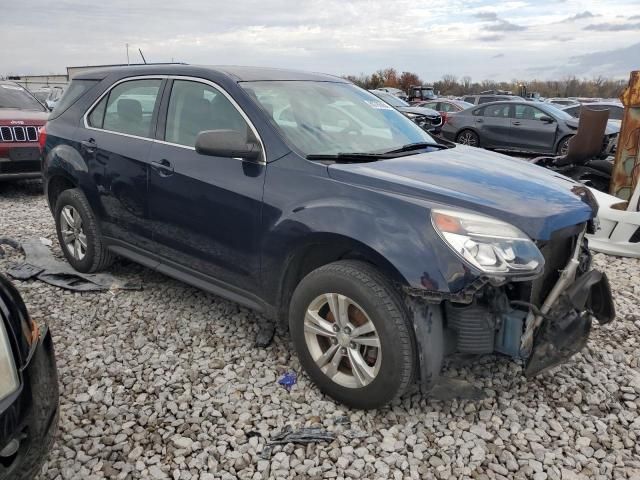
(313,202)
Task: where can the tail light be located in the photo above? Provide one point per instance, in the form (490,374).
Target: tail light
(42,138)
(445,117)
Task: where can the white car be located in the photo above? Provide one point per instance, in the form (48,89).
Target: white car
(619,232)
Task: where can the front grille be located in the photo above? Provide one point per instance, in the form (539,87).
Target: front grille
(28,133)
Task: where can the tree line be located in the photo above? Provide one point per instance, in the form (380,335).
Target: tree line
(569,86)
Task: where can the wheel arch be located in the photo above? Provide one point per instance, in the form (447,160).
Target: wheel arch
(323,249)
(55,185)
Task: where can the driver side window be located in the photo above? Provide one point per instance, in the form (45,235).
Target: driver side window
(195,107)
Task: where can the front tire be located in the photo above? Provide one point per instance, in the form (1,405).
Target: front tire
(352,334)
(468,137)
(563,146)
(78,233)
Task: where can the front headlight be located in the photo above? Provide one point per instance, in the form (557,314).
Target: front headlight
(9,381)
(412,115)
(488,244)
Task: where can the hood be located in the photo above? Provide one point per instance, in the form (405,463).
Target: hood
(530,197)
(427,112)
(29,117)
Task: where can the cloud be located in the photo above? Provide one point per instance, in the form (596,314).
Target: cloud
(331,36)
(504,26)
(617,62)
(488,16)
(491,38)
(613,27)
(579,16)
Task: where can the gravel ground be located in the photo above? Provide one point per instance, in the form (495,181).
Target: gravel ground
(166,383)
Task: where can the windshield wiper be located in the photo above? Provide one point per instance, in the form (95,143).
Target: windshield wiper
(351,157)
(416,146)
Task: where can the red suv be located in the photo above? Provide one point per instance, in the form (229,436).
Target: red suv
(21,118)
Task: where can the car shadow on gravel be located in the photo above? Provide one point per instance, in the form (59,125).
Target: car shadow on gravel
(32,188)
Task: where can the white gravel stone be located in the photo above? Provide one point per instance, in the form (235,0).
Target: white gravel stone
(166,383)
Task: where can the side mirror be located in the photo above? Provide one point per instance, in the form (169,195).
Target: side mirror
(547,119)
(227,143)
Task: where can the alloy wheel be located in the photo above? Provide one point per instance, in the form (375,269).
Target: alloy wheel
(342,340)
(468,138)
(73,235)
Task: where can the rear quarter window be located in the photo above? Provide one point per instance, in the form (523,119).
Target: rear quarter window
(76,89)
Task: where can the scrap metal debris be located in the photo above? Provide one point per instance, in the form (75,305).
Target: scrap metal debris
(288,380)
(303,436)
(41,264)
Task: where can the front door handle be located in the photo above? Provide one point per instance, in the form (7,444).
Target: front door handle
(89,146)
(479,120)
(515,123)
(163,167)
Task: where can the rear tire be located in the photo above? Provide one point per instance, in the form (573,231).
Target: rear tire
(365,358)
(468,137)
(78,233)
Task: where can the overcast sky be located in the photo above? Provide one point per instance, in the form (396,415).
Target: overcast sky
(483,39)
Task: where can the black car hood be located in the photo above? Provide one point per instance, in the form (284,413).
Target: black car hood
(534,199)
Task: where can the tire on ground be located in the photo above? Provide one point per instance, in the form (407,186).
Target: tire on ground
(97,257)
(372,291)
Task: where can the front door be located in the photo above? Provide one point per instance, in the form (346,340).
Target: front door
(530,132)
(205,210)
(115,145)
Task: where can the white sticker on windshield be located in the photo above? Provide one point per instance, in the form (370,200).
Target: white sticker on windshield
(11,87)
(378,105)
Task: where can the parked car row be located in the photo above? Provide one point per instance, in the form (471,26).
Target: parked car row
(519,126)
(328,210)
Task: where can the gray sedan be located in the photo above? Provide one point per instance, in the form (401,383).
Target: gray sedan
(518,127)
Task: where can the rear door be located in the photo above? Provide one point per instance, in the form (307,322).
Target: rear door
(529,132)
(115,144)
(493,124)
(205,210)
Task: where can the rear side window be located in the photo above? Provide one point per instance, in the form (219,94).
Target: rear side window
(500,111)
(485,100)
(470,99)
(195,107)
(128,108)
(74,91)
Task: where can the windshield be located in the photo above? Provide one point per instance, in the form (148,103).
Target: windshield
(324,118)
(391,99)
(555,111)
(14,96)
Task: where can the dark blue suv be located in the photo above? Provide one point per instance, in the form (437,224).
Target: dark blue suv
(313,202)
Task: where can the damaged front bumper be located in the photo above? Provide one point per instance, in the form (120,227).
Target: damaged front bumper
(565,328)
(542,322)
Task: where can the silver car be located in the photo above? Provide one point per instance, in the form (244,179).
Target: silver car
(524,127)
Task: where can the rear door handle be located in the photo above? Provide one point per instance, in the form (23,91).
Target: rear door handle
(163,167)
(479,120)
(89,146)
(515,123)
